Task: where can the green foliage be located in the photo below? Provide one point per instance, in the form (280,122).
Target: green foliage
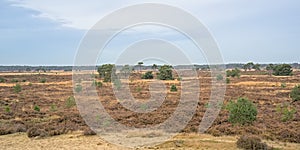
(287,112)
(283,85)
(241,112)
(220,77)
(78,88)
(2,80)
(138,89)
(154,66)
(36,108)
(248,66)
(173,88)
(179,79)
(227,80)
(98,84)
(165,73)
(282,70)
(233,73)
(106,71)
(7,109)
(30,84)
(43,80)
(17,88)
(117,83)
(295,93)
(148,75)
(14,80)
(53,108)
(126,70)
(256,67)
(70,102)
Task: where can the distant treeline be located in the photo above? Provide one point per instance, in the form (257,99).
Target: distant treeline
(136,67)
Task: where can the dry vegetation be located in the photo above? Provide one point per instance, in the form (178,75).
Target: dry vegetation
(19,113)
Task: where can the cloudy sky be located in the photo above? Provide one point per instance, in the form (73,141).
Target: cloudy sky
(48,32)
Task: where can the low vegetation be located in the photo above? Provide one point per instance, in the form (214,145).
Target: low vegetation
(148,75)
(173,88)
(251,142)
(165,73)
(233,73)
(286,111)
(17,88)
(295,93)
(242,111)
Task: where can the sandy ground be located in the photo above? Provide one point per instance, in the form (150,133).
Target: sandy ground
(76,140)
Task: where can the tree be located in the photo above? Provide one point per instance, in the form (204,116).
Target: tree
(242,111)
(256,67)
(148,75)
(154,67)
(165,73)
(282,70)
(233,73)
(106,71)
(140,65)
(270,68)
(248,66)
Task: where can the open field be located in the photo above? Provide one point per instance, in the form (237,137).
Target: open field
(18,114)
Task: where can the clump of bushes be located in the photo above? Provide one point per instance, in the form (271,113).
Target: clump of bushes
(2,80)
(287,112)
(70,102)
(43,80)
(173,88)
(233,73)
(242,111)
(227,80)
(17,88)
(148,75)
(251,142)
(295,93)
(282,70)
(35,132)
(165,73)
(36,108)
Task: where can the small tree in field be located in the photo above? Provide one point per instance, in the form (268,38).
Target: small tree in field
(148,75)
(106,71)
(282,70)
(165,73)
(242,111)
(295,93)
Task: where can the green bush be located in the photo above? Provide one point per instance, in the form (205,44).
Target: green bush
(30,84)
(283,85)
(227,80)
(287,112)
(78,88)
(2,80)
(220,77)
(295,93)
(138,89)
(7,109)
(36,108)
(173,88)
(165,73)
(242,111)
(106,71)
(43,80)
(14,80)
(233,73)
(98,84)
(53,107)
(17,88)
(282,70)
(70,102)
(148,75)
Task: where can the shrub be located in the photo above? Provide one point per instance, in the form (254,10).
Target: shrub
(43,80)
(24,80)
(282,70)
(173,88)
(220,77)
(17,88)
(36,108)
(283,85)
(78,88)
(241,112)
(179,79)
(53,107)
(106,71)
(14,80)
(2,80)
(233,73)
(148,75)
(295,93)
(165,73)
(138,89)
(30,84)
(287,112)
(250,142)
(98,84)
(70,102)
(227,80)
(7,109)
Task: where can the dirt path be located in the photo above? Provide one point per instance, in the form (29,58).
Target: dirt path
(77,141)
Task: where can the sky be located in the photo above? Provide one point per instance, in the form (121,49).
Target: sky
(48,32)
